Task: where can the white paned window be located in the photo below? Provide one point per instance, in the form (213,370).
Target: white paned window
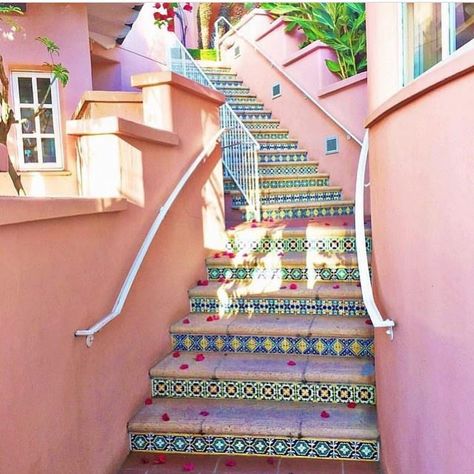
(39,138)
(433,31)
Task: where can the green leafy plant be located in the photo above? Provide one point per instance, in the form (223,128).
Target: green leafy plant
(339,25)
(7,115)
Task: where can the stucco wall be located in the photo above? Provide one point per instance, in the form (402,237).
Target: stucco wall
(422,175)
(66,24)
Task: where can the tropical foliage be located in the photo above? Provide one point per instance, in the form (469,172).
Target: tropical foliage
(339,25)
(7,115)
(166,14)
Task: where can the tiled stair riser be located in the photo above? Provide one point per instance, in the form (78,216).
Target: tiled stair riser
(230,91)
(308,345)
(260,124)
(270,135)
(316,448)
(336,244)
(351,307)
(311,392)
(239,200)
(254,115)
(283,145)
(241,273)
(243,107)
(293,183)
(236,99)
(288,169)
(222,77)
(299,212)
(219,84)
(279,156)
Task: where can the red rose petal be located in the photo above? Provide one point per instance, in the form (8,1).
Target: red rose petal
(351,405)
(325,414)
(184,366)
(159,459)
(230,463)
(186,321)
(203,282)
(176,354)
(188,467)
(209,319)
(368,321)
(165,417)
(336,287)
(291,363)
(199,358)
(148,401)
(293,286)
(204,413)
(215,317)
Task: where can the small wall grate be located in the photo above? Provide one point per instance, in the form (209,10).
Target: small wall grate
(276,90)
(237,51)
(332,145)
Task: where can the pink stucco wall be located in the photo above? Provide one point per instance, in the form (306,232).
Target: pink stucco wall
(65,407)
(66,24)
(422,175)
(347,101)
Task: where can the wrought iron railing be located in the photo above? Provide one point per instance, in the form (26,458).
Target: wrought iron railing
(239,147)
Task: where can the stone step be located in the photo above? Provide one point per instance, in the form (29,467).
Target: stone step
(261,124)
(280,156)
(266,237)
(268,298)
(245,376)
(294,195)
(277,143)
(287,169)
(246,427)
(312,266)
(304,210)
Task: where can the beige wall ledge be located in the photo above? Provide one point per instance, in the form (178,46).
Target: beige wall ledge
(305,51)
(106,97)
(167,77)
(457,65)
(121,127)
(16,210)
(342,84)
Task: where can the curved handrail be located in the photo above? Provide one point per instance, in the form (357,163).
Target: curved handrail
(366,285)
(137,262)
(281,71)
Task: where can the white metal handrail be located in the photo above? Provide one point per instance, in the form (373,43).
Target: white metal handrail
(366,285)
(137,262)
(281,71)
(240,162)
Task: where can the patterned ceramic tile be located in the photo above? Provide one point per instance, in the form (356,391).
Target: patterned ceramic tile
(293,183)
(295,196)
(367,450)
(288,170)
(283,145)
(276,157)
(313,392)
(298,212)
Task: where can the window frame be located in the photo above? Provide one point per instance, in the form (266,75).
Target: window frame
(448,39)
(56,112)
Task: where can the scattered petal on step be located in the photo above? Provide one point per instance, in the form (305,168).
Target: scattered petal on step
(336,287)
(231,255)
(270,461)
(215,317)
(368,322)
(230,463)
(327,223)
(199,358)
(209,319)
(293,286)
(325,414)
(186,321)
(165,417)
(221,280)
(358,284)
(351,405)
(176,354)
(291,363)
(203,282)
(344,224)
(204,413)
(159,459)
(253,225)
(188,467)
(148,401)
(184,366)
(217,255)
(283,287)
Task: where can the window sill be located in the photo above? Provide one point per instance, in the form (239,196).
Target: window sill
(17,210)
(454,67)
(45,172)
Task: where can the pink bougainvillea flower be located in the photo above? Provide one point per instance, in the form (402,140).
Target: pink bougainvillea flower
(176,354)
(209,319)
(184,366)
(158,16)
(186,321)
(253,225)
(254,221)
(204,413)
(188,467)
(325,414)
(215,317)
(327,223)
(293,286)
(165,417)
(157,5)
(148,401)
(230,463)
(199,358)
(231,255)
(203,282)
(188,7)
(270,461)
(368,321)
(166,5)
(344,224)
(336,287)
(291,363)
(170,26)
(159,459)
(351,405)
(217,255)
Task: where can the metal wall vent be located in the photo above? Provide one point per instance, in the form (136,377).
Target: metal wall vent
(276,90)
(332,145)
(237,51)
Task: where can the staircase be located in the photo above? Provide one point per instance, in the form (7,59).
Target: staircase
(275,358)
